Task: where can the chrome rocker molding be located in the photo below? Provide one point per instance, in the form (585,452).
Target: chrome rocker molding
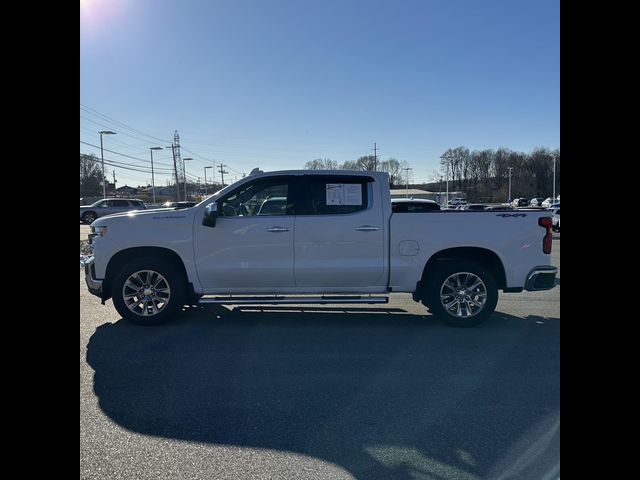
(277,300)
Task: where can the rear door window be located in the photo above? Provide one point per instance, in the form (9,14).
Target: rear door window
(334,195)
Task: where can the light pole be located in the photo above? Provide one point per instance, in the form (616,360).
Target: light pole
(510,168)
(104,179)
(205,180)
(407,169)
(153,180)
(184,168)
(447,157)
(554,176)
(447,197)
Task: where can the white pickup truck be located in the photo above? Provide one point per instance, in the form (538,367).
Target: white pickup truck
(309,236)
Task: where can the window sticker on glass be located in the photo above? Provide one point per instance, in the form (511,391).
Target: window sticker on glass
(344,194)
(352,194)
(335,194)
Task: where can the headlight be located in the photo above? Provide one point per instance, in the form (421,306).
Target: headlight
(97,231)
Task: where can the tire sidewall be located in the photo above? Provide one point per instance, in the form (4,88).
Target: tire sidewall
(89,217)
(172,275)
(449,268)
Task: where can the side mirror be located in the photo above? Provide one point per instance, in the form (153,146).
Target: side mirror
(210,215)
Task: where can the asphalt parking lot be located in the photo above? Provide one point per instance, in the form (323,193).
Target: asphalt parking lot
(331,392)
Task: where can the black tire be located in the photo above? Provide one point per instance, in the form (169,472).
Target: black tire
(88,217)
(149,291)
(462,293)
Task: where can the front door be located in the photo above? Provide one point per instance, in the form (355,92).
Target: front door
(251,245)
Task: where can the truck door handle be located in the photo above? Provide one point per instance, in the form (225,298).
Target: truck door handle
(367,228)
(277,229)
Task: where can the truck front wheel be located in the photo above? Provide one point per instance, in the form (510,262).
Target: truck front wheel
(462,293)
(149,291)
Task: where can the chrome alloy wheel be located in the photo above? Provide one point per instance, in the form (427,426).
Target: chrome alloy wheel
(146,293)
(463,295)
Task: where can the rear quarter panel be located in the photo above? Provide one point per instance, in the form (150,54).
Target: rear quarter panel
(516,238)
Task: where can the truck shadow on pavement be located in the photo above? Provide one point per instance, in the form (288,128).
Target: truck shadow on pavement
(381,393)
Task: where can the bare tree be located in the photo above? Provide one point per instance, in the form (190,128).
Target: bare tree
(368,163)
(90,176)
(321,164)
(349,165)
(394,168)
(481,174)
(456,163)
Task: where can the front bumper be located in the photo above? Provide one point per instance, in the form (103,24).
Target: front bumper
(541,278)
(94,285)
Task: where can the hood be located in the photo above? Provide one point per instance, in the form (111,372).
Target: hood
(149,214)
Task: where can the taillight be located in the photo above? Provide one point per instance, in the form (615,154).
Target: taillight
(547,223)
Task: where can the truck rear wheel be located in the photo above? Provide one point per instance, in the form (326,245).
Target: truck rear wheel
(149,291)
(462,293)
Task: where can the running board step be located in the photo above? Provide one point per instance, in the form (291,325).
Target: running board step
(276,300)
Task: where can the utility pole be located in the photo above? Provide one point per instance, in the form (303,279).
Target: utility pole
(175,170)
(222,172)
(205,181)
(375,156)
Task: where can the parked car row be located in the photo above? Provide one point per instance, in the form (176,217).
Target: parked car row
(549,202)
(535,202)
(404,205)
(414,205)
(398,205)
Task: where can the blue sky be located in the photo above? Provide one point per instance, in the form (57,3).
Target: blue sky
(276,83)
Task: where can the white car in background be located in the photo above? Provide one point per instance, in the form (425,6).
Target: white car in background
(550,202)
(555,218)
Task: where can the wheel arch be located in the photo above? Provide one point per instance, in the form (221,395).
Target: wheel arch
(125,256)
(490,260)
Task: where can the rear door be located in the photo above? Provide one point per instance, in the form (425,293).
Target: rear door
(339,235)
